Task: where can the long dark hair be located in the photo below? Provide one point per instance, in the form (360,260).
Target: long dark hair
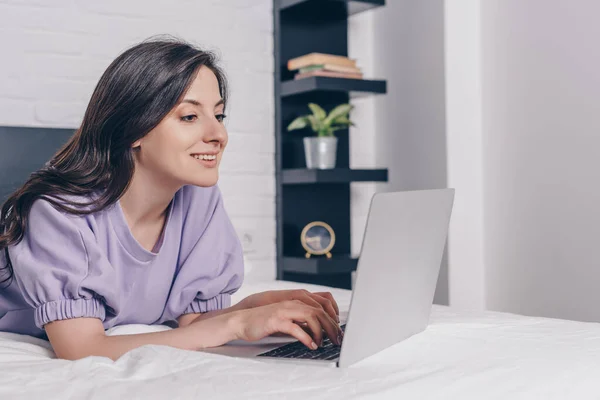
(138,89)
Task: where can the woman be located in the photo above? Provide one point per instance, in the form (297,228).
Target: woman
(125,224)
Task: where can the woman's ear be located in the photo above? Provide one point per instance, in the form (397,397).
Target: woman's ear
(136,144)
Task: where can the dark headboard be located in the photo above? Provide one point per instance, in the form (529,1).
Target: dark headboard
(25,150)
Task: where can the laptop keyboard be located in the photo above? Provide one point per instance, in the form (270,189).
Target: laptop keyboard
(328,351)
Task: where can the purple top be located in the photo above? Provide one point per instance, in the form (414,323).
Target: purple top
(70,266)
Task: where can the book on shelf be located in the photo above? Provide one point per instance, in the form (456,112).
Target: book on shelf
(328,74)
(327,65)
(319,58)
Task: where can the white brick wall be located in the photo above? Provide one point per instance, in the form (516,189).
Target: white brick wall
(54,51)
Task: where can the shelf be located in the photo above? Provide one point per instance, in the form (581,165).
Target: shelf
(320,265)
(356,87)
(301,27)
(336,175)
(354,6)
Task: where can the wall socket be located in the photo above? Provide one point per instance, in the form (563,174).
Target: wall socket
(247,243)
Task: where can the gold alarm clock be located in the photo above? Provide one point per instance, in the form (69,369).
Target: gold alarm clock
(317,238)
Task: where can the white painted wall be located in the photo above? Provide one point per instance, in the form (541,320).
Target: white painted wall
(53,53)
(541,158)
(403,130)
(361,36)
(522,120)
(464,153)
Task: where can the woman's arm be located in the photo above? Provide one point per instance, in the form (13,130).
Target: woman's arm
(77,338)
(321,300)
(186,319)
(91,340)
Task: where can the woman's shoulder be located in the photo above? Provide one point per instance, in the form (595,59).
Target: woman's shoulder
(48,224)
(80,203)
(67,209)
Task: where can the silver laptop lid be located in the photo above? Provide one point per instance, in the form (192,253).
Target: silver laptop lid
(397,271)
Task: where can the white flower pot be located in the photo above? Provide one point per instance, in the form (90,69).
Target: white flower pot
(320,152)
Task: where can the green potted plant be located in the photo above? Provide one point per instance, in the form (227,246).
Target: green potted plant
(320,150)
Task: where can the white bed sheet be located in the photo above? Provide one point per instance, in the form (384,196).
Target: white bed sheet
(460,356)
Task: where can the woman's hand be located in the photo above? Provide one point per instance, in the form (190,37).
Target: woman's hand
(319,300)
(284,317)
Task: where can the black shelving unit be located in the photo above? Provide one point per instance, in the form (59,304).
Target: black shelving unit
(295,176)
(354,87)
(306,195)
(353,7)
(320,266)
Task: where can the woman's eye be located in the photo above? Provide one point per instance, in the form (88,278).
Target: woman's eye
(220,117)
(189,118)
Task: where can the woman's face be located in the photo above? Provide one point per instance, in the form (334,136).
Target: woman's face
(186,147)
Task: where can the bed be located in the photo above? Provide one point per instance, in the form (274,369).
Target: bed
(460,355)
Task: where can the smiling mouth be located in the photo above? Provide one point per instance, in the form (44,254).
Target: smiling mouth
(206,160)
(207,157)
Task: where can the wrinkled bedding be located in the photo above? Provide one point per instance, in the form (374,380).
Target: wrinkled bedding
(459,356)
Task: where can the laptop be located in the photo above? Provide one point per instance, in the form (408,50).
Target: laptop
(395,281)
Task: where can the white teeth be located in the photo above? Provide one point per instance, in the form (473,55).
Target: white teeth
(204,157)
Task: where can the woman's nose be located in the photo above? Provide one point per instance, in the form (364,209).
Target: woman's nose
(216,133)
